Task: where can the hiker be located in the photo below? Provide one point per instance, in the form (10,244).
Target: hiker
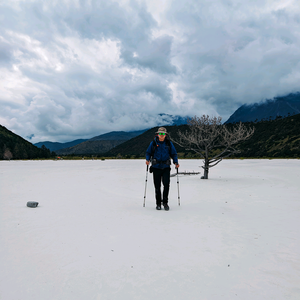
(159,152)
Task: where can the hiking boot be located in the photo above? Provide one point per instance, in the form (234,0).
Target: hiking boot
(166,206)
(158,207)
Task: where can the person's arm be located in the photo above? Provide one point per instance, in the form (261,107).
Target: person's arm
(174,155)
(148,153)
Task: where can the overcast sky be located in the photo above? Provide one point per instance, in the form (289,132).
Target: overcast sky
(75,69)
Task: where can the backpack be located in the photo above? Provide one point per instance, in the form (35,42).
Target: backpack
(154,145)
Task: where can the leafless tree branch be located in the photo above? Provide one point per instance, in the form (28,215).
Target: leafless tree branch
(208,133)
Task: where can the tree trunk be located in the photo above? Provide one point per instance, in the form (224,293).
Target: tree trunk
(206,168)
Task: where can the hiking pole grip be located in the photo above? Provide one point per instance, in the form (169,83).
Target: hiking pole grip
(146,185)
(178,187)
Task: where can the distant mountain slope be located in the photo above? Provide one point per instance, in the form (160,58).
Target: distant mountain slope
(100,144)
(110,136)
(277,138)
(138,145)
(53,146)
(90,147)
(117,135)
(13,146)
(268,110)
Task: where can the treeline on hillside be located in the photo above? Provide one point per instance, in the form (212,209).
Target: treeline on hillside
(13,146)
(275,138)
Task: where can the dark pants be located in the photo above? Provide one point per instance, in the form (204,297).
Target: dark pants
(161,176)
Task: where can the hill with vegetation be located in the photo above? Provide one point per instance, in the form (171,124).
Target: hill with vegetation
(13,146)
(90,147)
(276,138)
(117,136)
(108,140)
(69,147)
(54,146)
(137,146)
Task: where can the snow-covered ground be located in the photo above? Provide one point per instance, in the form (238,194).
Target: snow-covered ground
(235,235)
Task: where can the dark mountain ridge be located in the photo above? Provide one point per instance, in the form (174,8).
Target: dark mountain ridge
(53,146)
(117,135)
(104,142)
(110,139)
(113,135)
(100,144)
(267,110)
(13,146)
(274,138)
(137,146)
(90,147)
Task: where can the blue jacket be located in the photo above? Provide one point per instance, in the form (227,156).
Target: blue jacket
(161,154)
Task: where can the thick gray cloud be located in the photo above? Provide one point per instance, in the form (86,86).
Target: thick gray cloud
(75,69)
(235,52)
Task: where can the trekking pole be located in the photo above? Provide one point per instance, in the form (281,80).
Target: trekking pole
(178,188)
(146,185)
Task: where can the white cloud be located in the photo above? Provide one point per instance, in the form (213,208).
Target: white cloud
(71,69)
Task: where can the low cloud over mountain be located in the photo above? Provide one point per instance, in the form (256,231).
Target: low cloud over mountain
(75,69)
(267,110)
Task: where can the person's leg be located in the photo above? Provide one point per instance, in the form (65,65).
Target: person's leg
(166,184)
(157,175)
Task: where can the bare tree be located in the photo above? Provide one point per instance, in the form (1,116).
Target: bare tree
(7,154)
(211,139)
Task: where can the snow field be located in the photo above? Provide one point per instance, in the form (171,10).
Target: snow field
(235,235)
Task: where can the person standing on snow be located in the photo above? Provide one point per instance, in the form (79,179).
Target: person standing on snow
(160,150)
